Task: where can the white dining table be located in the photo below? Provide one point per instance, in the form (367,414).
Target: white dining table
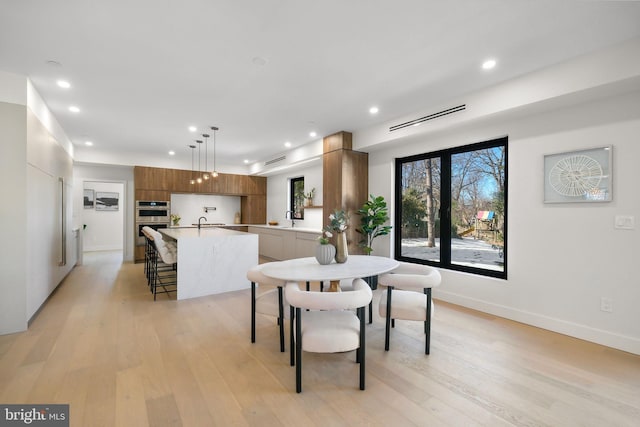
(308,269)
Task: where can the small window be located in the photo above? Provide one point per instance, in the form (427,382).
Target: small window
(296,197)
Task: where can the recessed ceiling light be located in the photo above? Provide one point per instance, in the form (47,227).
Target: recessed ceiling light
(171,152)
(313,134)
(74,109)
(287,144)
(88,143)
(192,128)
(373,110)
(64,84)
(489,64)
(246,161)
(54,63)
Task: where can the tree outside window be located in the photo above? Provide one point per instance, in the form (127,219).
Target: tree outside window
(452,208)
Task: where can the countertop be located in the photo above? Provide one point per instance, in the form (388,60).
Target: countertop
(208,226)
(193,232)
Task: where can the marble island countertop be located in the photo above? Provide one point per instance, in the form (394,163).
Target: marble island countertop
(267,226)
(193,232)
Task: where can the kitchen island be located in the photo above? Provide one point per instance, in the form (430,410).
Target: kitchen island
(212,260)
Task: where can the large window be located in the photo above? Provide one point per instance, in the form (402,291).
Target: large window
(452,208)
(296,197)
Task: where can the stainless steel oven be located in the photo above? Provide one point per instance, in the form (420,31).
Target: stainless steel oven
(149,211)
(140,239)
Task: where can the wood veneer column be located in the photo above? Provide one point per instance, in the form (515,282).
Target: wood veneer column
(345,182)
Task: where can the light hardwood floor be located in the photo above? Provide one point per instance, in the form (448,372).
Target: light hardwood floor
(102,345)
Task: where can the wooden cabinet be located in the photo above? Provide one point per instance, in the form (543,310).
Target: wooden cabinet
(147,178)
(253,209)
(280,244)
(345,179)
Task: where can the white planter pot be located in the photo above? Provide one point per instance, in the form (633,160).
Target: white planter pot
(325,253)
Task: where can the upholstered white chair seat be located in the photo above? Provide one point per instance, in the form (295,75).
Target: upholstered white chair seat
(407,305)
(255,275)
(330,331)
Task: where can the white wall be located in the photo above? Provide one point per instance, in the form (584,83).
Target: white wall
(13,212)
(562,258)
(113,174)
(278,190)
(190,208)
(104,229)
(36,214)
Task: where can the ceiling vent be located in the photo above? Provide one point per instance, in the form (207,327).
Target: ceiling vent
(276,160)
(429,117)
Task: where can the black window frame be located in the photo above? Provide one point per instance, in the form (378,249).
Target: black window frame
(292,198)
(445,207)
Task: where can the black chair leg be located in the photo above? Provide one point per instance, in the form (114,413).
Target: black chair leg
(388,319)
(298,352)
(427,322)
(292,317)
(253,312)
(362,346)
(281,318)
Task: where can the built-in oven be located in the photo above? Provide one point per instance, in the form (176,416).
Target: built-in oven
(140,239)
(149,211)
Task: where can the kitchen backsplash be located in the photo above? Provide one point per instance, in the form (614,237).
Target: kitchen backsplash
(190,207)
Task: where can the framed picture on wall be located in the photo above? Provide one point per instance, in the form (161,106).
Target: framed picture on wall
(107,201)
(88,200)
(578,176)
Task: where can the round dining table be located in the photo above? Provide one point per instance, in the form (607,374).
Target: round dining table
(308,269)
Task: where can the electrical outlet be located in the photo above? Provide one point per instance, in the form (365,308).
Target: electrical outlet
(606,304)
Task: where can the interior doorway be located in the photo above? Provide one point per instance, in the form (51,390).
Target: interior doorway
(103,216)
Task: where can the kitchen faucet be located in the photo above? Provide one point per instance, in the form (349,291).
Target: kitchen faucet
(290,213)
(202,217)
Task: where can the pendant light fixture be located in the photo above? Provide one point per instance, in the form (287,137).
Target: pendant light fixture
(192,181)
(205,175)
(215,172)
(199,179)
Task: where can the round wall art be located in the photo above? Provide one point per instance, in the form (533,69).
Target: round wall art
(578,176)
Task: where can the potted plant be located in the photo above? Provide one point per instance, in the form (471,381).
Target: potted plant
(308,197)
(175,219)
(373,216)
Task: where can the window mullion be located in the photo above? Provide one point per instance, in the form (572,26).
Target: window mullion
(445,213)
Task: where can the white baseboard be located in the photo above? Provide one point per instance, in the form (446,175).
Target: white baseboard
(97,248)
(587,333)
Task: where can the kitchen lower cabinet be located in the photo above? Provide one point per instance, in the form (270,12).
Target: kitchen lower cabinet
(284,243)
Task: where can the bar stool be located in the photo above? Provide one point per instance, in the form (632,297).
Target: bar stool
(163,265)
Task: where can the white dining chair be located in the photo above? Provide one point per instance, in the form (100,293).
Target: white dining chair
(269,303)
(330,325)
(408,297)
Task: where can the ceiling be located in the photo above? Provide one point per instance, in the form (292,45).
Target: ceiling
(270,71)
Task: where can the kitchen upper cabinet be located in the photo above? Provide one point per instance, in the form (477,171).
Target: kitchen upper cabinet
(150,178)
(179,181)
(159,183)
